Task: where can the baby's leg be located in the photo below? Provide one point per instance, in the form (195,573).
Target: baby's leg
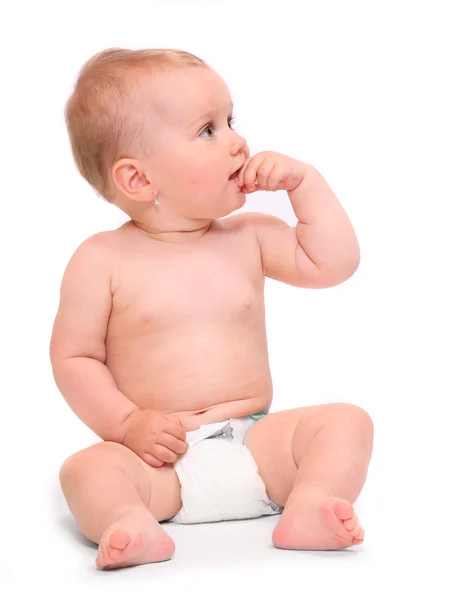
(117,501)
(314,463)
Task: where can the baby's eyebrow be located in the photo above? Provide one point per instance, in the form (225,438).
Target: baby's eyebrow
(208,115)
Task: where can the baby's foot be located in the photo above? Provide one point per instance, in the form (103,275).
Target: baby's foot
(135,539)
(317,522)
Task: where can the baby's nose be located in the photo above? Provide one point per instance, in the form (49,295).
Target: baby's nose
(237,145)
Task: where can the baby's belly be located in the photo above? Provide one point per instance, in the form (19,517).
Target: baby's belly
(196,373)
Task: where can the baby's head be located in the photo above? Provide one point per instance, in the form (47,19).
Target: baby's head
(156,124)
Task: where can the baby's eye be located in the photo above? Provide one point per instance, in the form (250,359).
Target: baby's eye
(231,121)
(209,130)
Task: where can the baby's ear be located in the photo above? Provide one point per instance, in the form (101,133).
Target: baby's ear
(130,179)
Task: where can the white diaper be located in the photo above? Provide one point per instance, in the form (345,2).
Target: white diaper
(219,477)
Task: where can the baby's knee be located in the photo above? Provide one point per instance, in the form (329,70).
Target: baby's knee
(89,459)
(356,416)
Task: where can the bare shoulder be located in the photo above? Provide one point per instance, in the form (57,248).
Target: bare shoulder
(92,261)
(282,257)
(99,247)
(102,242)
(255,222)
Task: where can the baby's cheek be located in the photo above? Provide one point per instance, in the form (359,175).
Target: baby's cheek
(193,182)
(198,189)
(202,179)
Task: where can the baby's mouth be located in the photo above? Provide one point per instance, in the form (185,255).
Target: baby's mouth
(234,176)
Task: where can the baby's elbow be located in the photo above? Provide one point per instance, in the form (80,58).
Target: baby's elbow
(353,265)
(341,273)
(348,272)
(350,266)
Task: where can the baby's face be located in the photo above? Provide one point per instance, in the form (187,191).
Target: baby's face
(197,151)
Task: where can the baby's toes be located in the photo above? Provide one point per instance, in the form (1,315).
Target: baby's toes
(351,524)
(118,542)
(103,558)
(358,534)
(99,558)
(343,510)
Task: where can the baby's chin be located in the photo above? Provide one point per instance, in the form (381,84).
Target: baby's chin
(228,207)
(241,202)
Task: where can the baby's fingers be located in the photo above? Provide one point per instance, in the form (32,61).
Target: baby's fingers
(249,175)
(277,177)
(163,454)
(151,460)
(175,428)
(264,172)
(173,443)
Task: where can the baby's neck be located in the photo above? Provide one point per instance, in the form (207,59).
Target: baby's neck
(173,236)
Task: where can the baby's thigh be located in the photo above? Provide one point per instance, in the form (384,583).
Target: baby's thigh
(270,443)
(165,491)
(275,440)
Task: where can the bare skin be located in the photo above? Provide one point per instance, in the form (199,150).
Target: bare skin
(195,311)
(171,324)
(203,362)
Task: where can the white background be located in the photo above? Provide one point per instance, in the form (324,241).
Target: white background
(375,95)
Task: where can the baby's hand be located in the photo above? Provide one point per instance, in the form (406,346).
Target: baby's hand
(271,171)
(156,437)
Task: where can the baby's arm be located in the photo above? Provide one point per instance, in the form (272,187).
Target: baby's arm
(322,249)
(78,350)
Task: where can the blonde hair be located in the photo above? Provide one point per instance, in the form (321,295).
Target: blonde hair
(102,120)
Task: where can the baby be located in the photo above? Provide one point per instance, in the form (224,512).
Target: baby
(159,344)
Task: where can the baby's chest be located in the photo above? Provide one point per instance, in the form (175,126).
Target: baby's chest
(183,294)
